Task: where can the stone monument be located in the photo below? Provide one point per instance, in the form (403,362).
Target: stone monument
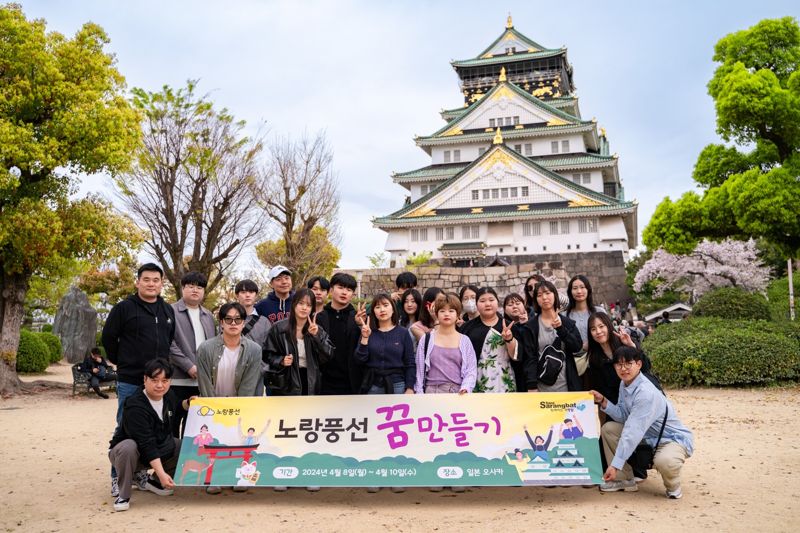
(76,325)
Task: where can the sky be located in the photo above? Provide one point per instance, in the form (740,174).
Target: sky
(371,75)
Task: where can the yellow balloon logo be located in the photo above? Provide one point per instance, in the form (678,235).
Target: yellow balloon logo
(205,411)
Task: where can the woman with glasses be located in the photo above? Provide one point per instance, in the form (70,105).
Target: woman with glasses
(530,286)
(229,364)
(296,348)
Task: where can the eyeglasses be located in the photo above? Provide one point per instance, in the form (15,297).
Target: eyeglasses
(627,365)
(233,320)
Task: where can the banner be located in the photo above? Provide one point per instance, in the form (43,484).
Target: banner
(392,440)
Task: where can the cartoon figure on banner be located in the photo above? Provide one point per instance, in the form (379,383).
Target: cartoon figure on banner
(539,445)
(249,438)
(247,474)
(571,432)
(520,463)
(204,438)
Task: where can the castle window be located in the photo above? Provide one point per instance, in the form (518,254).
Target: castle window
(439,234)
(513,192)
(491,123)
(423,234)
(481,151)
(475,194)
(449,233)
(447,156)
(530,229)
(485,194)
(516,120)
(495,194)
(414,234)
(576,178)
(554,227)
(456,156)
(524,192)
(504,192)
(423,189)
(587,178)
(565,227)
(553,147)
(518,148)
(528,149)
(565,146)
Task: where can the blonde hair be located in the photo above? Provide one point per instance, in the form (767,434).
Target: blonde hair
(445,300)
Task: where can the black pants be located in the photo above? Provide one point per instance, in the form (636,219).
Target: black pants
(183,392)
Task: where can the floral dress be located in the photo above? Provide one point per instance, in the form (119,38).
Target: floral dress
(494,362)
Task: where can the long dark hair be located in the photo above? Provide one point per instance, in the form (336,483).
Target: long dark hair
(296,299)
(428,298)
(530,297)
(378,298)
(589,301)
(405,319)
(596,354)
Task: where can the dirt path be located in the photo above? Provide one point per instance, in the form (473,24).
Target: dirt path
(744,476)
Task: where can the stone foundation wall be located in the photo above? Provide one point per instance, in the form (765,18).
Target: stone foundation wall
(605,270)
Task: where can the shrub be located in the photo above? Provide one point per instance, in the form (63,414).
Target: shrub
(726,355)
(48,328)
(700,325)
(53,344)
(732,303)
(778,294)
(33,355)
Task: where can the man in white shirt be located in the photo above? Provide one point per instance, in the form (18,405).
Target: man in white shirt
(194,324)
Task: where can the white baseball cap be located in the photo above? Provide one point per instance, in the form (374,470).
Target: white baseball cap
(276,271)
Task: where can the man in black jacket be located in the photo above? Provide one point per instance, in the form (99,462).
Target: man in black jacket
(144,438)
(137,330)
(342,374)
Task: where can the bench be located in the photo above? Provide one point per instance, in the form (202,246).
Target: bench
(82,379)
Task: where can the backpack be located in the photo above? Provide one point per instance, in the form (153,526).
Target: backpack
(551,361)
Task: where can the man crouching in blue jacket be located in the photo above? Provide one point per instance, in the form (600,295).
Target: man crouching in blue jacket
(144,438)
(642,415)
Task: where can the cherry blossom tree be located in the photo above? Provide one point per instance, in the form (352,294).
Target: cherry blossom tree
(729,263)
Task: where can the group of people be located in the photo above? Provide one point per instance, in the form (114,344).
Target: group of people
(314,341)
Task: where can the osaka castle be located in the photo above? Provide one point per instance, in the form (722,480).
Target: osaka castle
(516,173)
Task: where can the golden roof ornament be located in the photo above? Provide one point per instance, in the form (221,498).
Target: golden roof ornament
(509,22)
(498,137)
(502,74)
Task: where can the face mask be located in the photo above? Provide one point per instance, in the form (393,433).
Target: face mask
(470,307)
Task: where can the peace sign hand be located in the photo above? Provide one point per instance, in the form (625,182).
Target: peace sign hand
(361,314)
(366,331)
(625,337)
(556,322)
(313,328)
(507,334)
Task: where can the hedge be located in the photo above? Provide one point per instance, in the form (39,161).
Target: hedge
(726,355)
(33,355)
(699,325)
(732,303)
(54,344)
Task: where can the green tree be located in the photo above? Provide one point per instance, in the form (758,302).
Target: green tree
(746,194)
(377,260)
(62,113)
(317,257)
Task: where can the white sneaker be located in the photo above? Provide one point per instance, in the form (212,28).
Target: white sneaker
(628,485)
(373,490)
(436,489)
(213,490)
(458,489)
(313,488)
(676,494)
(280,488)
(398,490)
(115,487)
(122,505)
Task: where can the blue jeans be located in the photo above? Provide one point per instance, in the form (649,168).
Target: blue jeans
(124,391)
(398,386)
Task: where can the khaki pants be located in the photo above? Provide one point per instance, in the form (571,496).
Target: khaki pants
(669,457)
(125,458)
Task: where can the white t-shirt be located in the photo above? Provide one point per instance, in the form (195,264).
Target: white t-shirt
(226,372)
(158,407)
(301,353)
(197,326)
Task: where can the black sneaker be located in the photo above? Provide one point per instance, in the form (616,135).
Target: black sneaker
(122,505)
(154,486)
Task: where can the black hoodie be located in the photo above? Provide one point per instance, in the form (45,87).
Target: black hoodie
(137,332)
(153,434)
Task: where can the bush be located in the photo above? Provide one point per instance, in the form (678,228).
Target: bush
(732,303)
(53,344)
(778,294)
(33,355)
(701,325)
(48,328)
(727,356)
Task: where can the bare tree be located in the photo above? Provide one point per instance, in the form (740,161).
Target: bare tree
(191,184)
(298,191)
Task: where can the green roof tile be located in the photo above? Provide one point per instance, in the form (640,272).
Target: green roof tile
(507,58)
